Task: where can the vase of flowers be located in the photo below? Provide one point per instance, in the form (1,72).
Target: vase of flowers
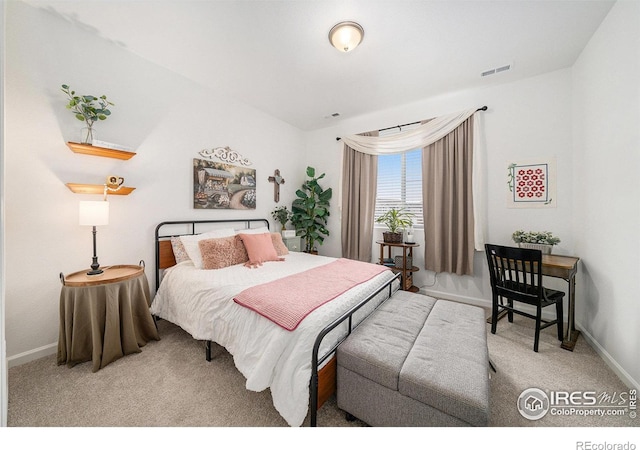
(537,240)
(88,109)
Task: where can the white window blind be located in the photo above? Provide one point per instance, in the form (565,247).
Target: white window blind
(400,184)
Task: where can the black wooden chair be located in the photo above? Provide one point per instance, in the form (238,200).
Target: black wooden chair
(516,276)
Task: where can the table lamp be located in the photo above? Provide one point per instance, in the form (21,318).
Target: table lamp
(94,213)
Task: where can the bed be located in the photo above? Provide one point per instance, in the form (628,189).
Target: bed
(296,364)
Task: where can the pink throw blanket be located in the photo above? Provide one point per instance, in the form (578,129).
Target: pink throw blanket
(290,299)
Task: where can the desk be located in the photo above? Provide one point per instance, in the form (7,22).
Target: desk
(564,267)
(104,317)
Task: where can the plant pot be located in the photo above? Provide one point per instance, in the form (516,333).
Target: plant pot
(392,238)
(544,248)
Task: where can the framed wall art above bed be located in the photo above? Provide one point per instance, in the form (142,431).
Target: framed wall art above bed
(219,185)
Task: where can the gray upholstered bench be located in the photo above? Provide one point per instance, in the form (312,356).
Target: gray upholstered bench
(416,361)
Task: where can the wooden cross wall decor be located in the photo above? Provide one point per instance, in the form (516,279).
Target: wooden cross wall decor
(277,180)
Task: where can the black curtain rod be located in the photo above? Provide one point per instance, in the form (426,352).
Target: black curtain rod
(484,108)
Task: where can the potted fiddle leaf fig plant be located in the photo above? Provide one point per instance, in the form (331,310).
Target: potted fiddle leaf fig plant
(396,220)
(88,109)
(311,211)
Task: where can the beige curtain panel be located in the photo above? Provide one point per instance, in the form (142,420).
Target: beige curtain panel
(447,199)
(359,189)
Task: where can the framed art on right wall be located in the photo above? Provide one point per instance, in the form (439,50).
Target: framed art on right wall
(531,184)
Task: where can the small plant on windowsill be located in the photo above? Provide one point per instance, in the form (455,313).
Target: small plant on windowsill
(539,240)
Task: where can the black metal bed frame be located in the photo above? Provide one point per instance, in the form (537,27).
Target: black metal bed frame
(316,361)
(193,223)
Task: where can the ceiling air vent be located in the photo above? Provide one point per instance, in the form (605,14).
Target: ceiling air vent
(496,70)
(489,72)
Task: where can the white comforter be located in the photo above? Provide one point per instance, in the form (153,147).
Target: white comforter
(201,302)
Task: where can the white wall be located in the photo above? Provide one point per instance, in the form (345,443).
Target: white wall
(606,188)
(165,118)
(525,119)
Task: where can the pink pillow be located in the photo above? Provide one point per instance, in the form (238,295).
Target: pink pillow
(259,248)
(218,253)
(281,249)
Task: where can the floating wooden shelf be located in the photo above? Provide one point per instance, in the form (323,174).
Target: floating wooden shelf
(97,189)
(94,150)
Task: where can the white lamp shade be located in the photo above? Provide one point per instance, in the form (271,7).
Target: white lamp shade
(346,36)
(94,213)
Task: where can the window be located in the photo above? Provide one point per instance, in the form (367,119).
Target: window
(400,184)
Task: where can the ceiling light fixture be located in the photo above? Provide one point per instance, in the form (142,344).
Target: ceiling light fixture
(345,36)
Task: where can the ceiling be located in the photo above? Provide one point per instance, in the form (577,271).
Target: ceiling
(275,54)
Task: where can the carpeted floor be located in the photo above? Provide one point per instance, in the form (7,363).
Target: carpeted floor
(169,384)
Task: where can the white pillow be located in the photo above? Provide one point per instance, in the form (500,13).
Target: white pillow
(260,230)
(190,243)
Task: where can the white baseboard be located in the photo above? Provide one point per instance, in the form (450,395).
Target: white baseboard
(32,355)
(609,361)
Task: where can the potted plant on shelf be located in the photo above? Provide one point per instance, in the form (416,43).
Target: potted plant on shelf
(396,219)
(310,211)
(538,240)
(281,215)
(88,109)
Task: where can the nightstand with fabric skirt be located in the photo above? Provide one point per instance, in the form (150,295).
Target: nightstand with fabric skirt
(104,317)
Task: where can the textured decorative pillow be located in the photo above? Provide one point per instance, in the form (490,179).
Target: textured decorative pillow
(190,243)
(218,253)
(179,251)
(278,244)
(259,248)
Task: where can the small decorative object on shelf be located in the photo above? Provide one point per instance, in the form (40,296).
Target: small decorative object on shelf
(396,219)
(537,240)
(87,108)
(410,238)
